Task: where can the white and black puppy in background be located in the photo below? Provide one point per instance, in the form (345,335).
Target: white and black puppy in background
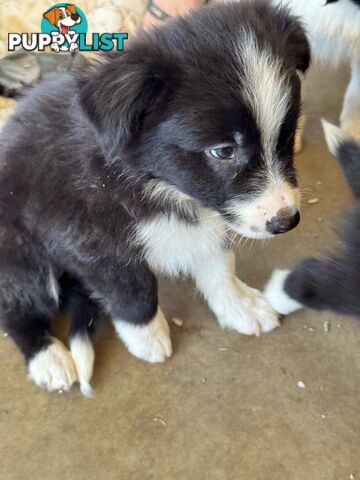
(333,28)
(332,283)
(142,163)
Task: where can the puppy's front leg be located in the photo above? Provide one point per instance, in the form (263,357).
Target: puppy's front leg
(236,305)
(129,293)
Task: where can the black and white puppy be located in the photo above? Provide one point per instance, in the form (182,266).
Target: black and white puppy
(142,163)
(332,283)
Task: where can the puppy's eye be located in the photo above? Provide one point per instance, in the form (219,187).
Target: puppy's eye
(223,152)
(61,15)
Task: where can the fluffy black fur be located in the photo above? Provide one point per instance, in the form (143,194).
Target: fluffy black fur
(80,150)
(334,283)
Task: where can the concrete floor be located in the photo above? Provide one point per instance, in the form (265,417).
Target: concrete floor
(225,407)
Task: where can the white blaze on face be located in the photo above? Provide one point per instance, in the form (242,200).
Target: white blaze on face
(266,90)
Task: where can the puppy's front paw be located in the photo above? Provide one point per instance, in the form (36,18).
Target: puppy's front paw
(53,368)
(276,295)
(150,342)
(249,312)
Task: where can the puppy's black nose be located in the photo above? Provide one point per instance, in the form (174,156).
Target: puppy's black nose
(74,16)
(286,219)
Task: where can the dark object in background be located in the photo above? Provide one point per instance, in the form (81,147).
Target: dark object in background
(23,69)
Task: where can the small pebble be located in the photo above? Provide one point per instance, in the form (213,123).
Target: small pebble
(312,201)
(327,326)
(351,476)
(160,420)
(223,349)
(301,384)
(204,380)
(318,182)
(177,321)
(323,416)
(311,329)
(320,219)
(5,335)
(60,391)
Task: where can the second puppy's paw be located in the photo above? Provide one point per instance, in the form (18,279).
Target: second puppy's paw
(150,342)
(276,295)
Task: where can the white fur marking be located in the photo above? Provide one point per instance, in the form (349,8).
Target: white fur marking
(84,356)
(150,342)
(276,296)
(54,286)
(53,368)
(266,89)
(162,192)
(172,246)
(334,136)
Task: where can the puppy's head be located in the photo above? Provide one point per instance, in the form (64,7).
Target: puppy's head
(207,105)
(63,17)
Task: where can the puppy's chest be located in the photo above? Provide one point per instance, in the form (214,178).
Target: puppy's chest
(174,246)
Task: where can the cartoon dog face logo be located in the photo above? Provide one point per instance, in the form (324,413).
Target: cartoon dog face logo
(63,17)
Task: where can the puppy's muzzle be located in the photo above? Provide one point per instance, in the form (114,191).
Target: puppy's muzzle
(285,219)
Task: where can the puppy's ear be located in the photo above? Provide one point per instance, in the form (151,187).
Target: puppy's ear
(301,51)
(121,93)
(296,44)
(71,7)
(51,15)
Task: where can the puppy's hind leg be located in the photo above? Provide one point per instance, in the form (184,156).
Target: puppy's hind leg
(28,299)
(83,314)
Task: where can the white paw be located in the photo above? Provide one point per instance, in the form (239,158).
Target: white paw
(73,47)
(53,368)
(248,312)
(149,342)
(277,297)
